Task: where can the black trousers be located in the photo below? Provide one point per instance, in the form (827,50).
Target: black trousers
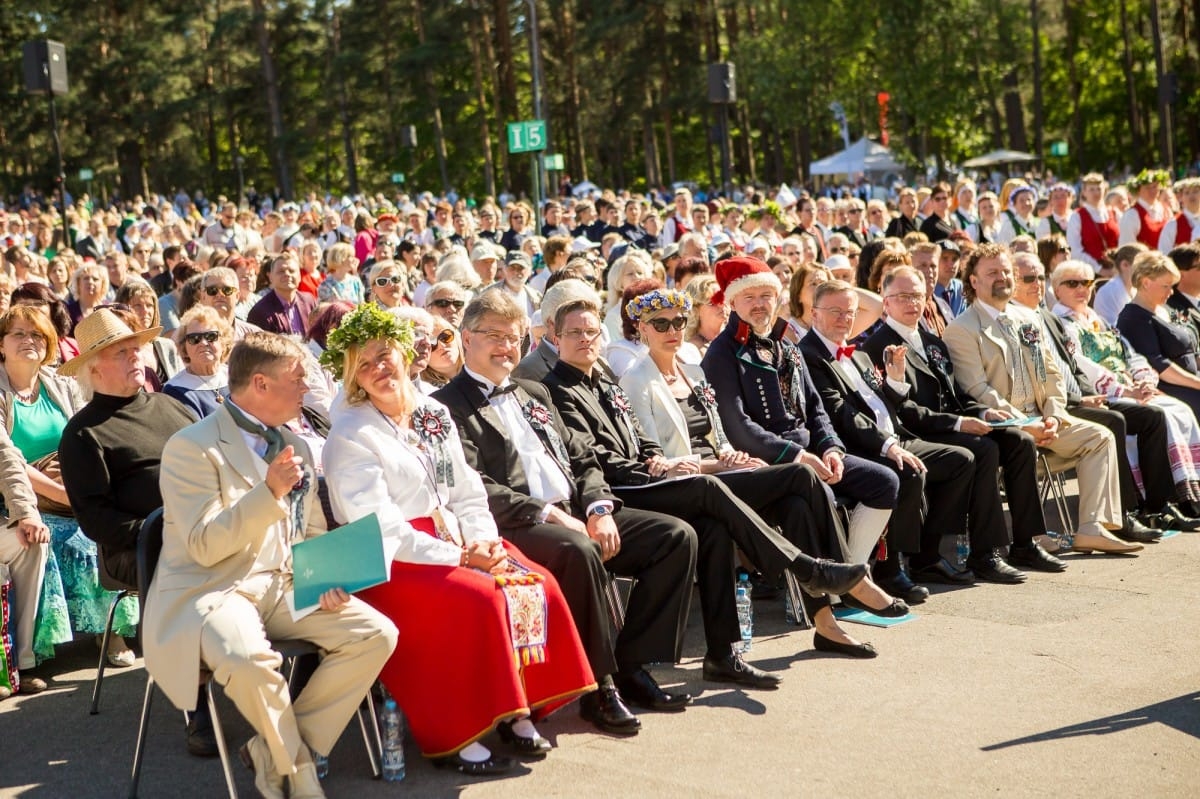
(1149,424)
(656,549)
(985,520)
(930,505)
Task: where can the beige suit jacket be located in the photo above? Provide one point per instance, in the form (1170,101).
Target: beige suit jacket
(983,360)
(218,515)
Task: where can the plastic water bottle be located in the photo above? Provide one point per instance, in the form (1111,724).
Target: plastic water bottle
(322,764)
(962,548)
(393,742)
(789,612)
(745,611)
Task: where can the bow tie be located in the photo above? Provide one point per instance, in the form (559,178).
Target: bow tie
(846,351)
(498,391)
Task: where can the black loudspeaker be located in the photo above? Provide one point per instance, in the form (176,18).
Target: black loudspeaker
(52,55)
(722,85)
(408,136)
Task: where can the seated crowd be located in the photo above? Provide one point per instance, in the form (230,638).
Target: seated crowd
(831,393)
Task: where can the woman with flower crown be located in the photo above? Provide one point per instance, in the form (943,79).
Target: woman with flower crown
(677,407)
(489,640)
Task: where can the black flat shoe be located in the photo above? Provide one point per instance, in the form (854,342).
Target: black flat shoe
(823,644)
(640,689)
(1034,557)
(733,669)
(831,577)
(496,764)
(895,610)
(605,709)
(530,747)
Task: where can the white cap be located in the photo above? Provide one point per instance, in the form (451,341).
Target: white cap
(583,244)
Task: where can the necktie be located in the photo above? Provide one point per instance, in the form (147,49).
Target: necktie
(273,436)
(844,352)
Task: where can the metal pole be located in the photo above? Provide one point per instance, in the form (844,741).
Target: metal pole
(726,186)
(536,67)
(62,175)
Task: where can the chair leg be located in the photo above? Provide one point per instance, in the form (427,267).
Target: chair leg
(374,745)
(140,746)
(112,612)
(222,748)
(793,595)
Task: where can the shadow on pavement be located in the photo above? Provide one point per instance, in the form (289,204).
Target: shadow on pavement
(1181,713)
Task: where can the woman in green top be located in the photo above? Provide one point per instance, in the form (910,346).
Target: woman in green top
(35,404)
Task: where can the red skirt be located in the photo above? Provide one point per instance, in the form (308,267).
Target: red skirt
(454,672)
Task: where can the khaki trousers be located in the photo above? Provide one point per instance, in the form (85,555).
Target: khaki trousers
(27,569)
(1099,487)
(354,641)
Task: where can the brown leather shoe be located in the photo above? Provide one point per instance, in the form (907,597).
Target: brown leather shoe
(32,685)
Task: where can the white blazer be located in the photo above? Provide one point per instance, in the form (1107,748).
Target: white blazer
(658,410)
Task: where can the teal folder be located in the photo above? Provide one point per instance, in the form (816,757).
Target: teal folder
(350,557)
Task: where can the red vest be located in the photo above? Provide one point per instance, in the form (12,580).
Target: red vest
(1097,237)
(1149,230)
(1183,230)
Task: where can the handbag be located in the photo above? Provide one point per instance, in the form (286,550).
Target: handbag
(49,466)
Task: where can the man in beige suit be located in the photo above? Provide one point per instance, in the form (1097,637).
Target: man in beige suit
(237,490)
(1000,360)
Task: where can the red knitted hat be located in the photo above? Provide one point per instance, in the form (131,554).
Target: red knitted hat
(735,275)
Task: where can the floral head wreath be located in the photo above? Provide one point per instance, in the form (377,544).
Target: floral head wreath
(657,300)
(1148,176)
(769,208)
(367,322)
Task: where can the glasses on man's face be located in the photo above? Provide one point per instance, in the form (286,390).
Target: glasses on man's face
(911,298)
(1077,284)
(663,325)
(443,304)
(837,250)
(837,314)
(213,291)
(582,334)
(383,281)
(1027,279)
(497,339)
(207,336)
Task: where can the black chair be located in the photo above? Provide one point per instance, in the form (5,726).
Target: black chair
(148,550)
(108,583)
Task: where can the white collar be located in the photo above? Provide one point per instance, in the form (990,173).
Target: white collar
(488,385)
(829,345)
(990,311)
(907,333)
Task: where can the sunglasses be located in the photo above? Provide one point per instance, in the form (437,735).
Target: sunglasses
(1077,284)
(394,280)
(455,304)
(444,339)
(663,325)
(208,337)
(213,291)
(1033,279)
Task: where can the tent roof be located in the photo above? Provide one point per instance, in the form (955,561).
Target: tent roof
(862,156)
(998,157)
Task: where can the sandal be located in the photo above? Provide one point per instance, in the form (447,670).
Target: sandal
(496,764)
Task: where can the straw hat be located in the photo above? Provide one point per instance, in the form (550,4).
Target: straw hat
(102,328)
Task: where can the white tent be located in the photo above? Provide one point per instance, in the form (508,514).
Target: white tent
(862,156)
(998,157)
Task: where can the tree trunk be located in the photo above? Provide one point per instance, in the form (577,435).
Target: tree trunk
(1038,133)
(506,88)
(474,34)
(650,141)
(1076,133)
(344,110)
(1135,129)
(1014,112)
(439,133)
(578,153)
(276,146)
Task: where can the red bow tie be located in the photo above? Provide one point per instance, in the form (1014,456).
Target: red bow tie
(847,351)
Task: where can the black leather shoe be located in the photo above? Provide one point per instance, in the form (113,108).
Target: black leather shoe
(732,668)
(605,709)
(895,610)
(1137,532)
(831,577)
(943,572)
(639,688)
(991,568)
(530,747)
(1033,557)
(1170,518)
(903,588)
(823,644)
(496,764)
(201,740)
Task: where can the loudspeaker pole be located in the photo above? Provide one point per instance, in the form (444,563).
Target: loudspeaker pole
(61,175)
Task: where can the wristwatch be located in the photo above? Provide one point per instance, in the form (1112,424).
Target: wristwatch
(600,510)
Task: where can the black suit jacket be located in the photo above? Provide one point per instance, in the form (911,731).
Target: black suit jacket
(617,438)
(488,446)
(852,416)
(1187,311)
(931,376)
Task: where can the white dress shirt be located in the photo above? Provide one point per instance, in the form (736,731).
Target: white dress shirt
(879,409)
(1131,223)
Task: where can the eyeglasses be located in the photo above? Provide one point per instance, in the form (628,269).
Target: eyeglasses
(27,335)
(663,325)
(939,198)
(213,291)
(496,338)
(1077,284)
(837,250)
(455,304)
(913,298)
(383,281)
(208,337)
(1027,279)
(838,315)
(580,334)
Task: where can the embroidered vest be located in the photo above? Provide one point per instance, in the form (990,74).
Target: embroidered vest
(1018,226)
(1183,230)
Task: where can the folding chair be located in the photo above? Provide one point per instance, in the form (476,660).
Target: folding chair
(1051,470)
(108,583)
